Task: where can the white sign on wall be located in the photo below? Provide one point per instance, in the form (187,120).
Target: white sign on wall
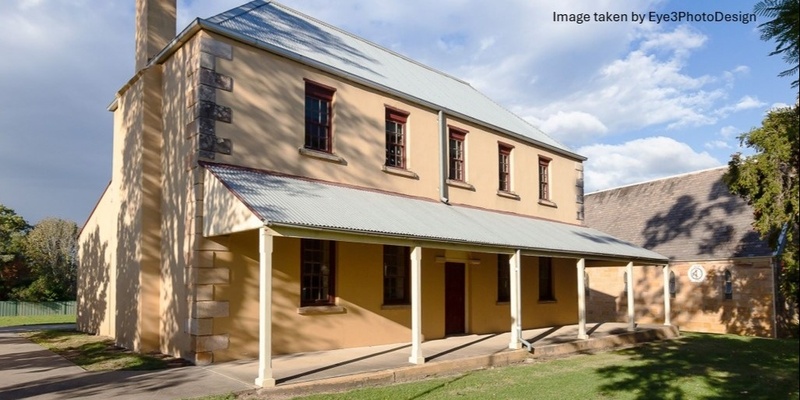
(697,273)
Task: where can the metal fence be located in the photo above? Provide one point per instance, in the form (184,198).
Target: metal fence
(16,308)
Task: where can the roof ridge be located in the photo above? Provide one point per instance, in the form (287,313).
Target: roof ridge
(369,42)
(663,178)
(232,13)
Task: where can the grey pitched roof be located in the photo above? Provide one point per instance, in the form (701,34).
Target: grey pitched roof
(290,201)
(686,217)
(307,40)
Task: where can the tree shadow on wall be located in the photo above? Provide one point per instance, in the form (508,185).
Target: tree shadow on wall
(93,281)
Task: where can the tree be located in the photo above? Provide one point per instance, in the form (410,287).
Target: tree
(768,181)
(13,271)
(784,27)
(51,252)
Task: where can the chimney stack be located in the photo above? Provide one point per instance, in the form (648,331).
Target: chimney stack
(155,28)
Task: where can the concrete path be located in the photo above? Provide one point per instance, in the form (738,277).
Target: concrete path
(28,371)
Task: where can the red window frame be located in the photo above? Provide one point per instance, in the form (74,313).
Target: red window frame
(396,138)
(504,166)
(544,178)
(318,117)
(456,154)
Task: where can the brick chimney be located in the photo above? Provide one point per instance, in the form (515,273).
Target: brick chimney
(155,27)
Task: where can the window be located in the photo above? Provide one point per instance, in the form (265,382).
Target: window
(544,179)
(503,279)
(504,161)
(319,114)
(728,285)
(672,285)
(396,275)
(396,138)
(546,279)
(317,272)
(457,170)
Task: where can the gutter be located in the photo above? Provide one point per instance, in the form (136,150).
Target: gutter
(487,247)
(443,190)
(198,24)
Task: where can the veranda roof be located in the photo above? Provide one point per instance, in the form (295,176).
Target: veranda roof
(285,201)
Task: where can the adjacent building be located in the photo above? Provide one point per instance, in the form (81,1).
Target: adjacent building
(722,277)
(280,186)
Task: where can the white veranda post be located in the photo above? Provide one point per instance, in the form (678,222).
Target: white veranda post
(582,299)
(667,305)
(416,307)
(514,299)
(265,378)
(629,285)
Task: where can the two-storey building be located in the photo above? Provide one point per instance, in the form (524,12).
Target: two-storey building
(280,186)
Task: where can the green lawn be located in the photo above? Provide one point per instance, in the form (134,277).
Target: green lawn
(36,320)
(98,353)
(695,366)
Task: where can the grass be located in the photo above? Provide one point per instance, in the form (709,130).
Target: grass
(36,320)
(695,366)
(98,353)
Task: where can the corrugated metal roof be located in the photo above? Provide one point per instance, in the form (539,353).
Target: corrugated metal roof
(312,204)
(278,26)
(691,216)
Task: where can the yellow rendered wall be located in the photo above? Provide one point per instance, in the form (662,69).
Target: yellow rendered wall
(359,290)
(180,222)
(268,124)
(699,307)
(96,269)
(488,315)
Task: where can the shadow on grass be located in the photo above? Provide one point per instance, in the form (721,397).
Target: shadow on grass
(96,353)
(729,366)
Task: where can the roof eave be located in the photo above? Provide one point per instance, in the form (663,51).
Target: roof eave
(493,246)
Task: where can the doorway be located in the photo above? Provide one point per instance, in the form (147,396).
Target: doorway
(454,299)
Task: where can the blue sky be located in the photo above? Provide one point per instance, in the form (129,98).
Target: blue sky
(642,101)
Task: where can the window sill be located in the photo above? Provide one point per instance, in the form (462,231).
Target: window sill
(502,303)
(508,195)
(321,310)
(395,306)
(460,184)
(547,301)
(548,203)
(321,155)
(400,172)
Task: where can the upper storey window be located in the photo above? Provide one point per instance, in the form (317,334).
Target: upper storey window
(457,155)
(544,178)
(504,167)
(396,138)
(319,115)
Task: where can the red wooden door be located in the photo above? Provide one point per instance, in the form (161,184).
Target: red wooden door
(454,298)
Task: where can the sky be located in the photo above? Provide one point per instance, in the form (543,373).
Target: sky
(641,99)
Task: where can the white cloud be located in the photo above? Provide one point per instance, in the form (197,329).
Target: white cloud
(640,160)
(745,103)
(717,144)
(680,40)
(572,124)
(776,106)
(729,131)
(648,87)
